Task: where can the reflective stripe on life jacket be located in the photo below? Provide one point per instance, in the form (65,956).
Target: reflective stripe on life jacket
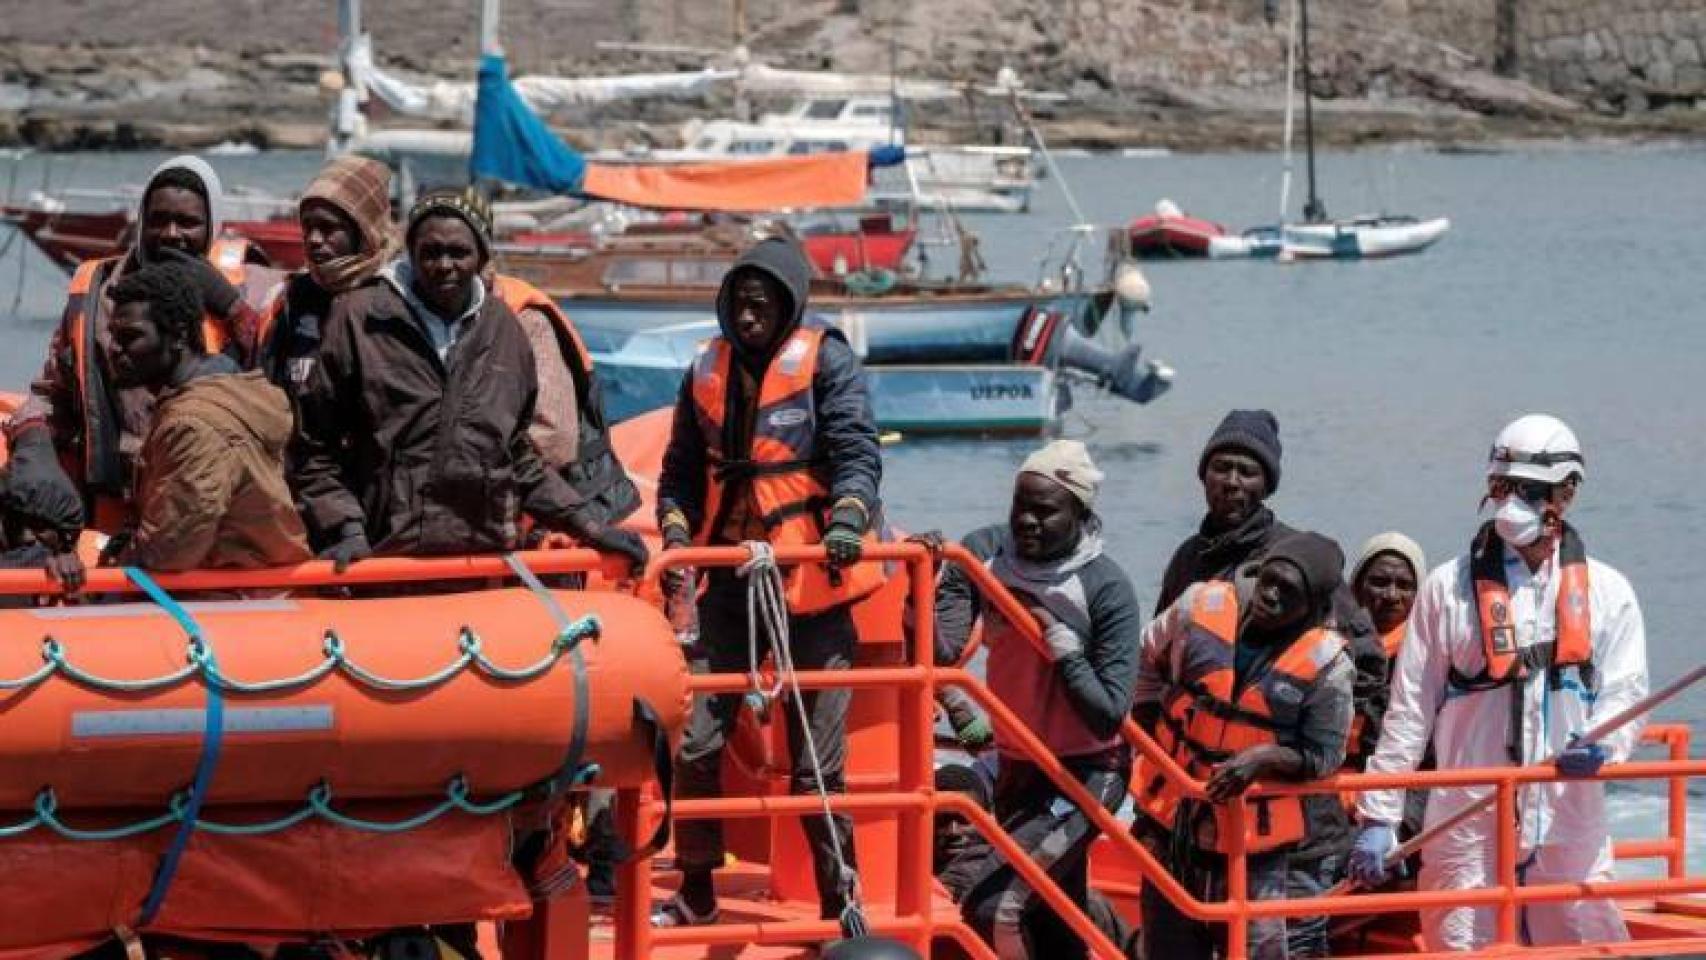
(95,462)
(1208,717)
(596,474)
(779,466)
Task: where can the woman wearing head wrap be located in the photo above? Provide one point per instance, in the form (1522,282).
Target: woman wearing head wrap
(412,435)
(1072,690)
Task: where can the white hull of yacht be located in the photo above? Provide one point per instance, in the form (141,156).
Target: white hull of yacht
(1361,238)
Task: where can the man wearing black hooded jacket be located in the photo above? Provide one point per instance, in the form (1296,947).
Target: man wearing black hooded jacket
(773,440)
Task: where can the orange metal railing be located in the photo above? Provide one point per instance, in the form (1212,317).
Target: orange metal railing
(914,801)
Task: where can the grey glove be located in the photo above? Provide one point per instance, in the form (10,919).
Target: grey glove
(218,295)
(844,540)
(1063,641)
(352,547)
(621,542)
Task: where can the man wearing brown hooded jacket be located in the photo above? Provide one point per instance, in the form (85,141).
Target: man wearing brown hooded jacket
(210,488)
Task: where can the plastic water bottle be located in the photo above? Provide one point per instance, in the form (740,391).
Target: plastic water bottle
(682,606)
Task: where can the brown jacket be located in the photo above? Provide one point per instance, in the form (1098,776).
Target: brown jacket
(210,478)
(427,456)
(98,428)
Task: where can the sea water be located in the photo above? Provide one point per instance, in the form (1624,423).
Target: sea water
(1573,282)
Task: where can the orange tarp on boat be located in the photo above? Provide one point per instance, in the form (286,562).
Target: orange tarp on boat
(780,183)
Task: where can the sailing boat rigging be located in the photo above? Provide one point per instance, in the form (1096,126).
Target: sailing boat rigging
(1318,236)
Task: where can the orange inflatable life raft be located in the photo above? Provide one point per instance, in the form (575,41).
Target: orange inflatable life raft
(374,698)
(373,757)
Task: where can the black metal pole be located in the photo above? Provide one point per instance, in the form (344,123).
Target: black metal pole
(1314,211)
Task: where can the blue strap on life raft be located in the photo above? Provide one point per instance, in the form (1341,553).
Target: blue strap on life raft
(645,715)
(212,736)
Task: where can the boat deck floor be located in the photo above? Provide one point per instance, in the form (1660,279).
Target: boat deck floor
(1667,927)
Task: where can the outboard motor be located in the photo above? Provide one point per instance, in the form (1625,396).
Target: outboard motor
(1048,338)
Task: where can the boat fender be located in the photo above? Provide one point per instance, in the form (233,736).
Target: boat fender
(871,282)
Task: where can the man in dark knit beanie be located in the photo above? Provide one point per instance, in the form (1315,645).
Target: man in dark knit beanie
(1258,659)
(1239,469)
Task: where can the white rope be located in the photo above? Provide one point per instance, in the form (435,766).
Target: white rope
(767,610)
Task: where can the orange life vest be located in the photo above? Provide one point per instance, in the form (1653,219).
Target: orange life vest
(1509,663)
(1393,640)
(781,466)
(1390,642)
(1506,662)
(518,295)
(596,474)
(96,472)
(1207,718)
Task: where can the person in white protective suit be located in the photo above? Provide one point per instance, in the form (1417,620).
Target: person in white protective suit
(1514,651)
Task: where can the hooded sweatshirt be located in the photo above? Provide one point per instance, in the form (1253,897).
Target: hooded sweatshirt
(847,457)
(210,478)
(102,426)
(213,191)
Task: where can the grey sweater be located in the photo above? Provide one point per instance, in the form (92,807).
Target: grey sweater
(1076,703)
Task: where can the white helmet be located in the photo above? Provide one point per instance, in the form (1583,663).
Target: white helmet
(1537,447)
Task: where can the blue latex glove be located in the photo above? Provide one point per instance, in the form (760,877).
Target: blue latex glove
(1374,844)
(1581,759)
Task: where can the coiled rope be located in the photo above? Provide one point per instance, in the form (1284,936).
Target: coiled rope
(767,615)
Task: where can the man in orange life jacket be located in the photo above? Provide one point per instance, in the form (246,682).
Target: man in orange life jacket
(1241,682)
(95,426)
(1514,650)
(773,440)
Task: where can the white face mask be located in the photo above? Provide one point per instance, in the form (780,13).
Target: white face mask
(1518,522)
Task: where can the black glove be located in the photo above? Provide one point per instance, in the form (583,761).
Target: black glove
(844,540)
(36,489)
(352,547)
(618,541)
(218,296)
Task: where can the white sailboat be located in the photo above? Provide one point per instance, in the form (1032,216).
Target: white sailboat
(1318,236)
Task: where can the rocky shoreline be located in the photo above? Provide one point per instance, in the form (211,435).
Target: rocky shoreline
(1214,85)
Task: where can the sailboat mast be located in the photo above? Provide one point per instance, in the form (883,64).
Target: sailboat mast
(490,20)
(1313,210)
(346,122)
